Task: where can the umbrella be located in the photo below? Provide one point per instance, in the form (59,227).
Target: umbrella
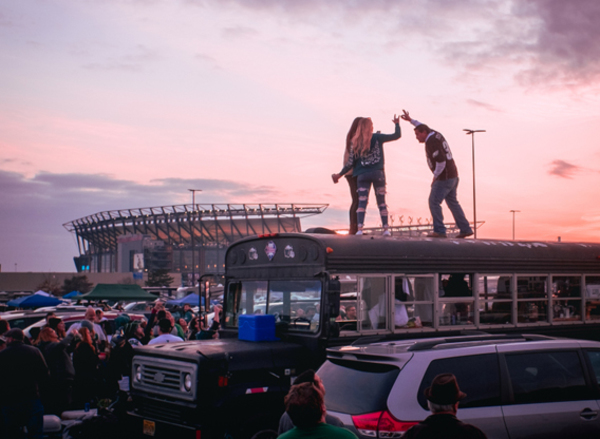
(34,301)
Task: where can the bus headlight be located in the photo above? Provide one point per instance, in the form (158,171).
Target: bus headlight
(137,376)
(187,382)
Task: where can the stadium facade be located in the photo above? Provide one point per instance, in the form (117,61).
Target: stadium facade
(186,239)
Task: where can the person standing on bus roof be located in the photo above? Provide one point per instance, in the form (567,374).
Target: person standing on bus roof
(351,178)
(367,164)
(445,179)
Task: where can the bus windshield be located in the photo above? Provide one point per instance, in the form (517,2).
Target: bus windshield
(295,303)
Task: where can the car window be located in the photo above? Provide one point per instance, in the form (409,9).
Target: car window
(357,387)
(547,377)
(594,357)
(477,376)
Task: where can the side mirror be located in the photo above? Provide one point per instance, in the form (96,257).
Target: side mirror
(332,291)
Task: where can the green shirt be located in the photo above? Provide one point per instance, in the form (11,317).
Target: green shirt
(321,431)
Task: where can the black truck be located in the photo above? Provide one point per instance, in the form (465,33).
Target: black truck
(314,291)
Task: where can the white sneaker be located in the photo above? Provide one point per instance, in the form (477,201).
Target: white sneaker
(359,233)
(386,233)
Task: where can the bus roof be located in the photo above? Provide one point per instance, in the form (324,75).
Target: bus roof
(342,253)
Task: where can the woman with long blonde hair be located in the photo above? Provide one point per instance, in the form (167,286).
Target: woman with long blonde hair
(351,178)
(365,159)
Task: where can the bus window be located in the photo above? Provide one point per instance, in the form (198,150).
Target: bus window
(349,307)
(495,299)
(296,302)
(592,297)
(566,298)
(454,311)
(532,299)
(245,298)
(413,301)
(374,293)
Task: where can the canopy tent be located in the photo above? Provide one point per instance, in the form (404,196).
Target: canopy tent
(191,299)
(34,301)
(71,294)
(116,292)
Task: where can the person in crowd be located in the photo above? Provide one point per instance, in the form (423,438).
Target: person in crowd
(443,397)
(164,329)
(124,342)
(49,315)
(193,328)
(184,327)
(86,362)
(23,373)
(4,326)
(445,179)
(367,164)
(58,325)
(212,330)
(308,376)
(90,316)
(305,406)
(188,314)
(58,397)
(351,178)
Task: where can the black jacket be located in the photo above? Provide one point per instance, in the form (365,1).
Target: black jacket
(443,426)
(58,358)
(23,372)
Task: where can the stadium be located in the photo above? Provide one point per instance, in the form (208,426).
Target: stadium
(190,239)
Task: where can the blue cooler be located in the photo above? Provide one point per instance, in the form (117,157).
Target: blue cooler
(259,327)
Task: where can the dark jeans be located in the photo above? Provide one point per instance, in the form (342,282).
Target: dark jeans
(353,184)
(28,414)
(377,179)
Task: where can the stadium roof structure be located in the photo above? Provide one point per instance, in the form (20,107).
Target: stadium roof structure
(212,224)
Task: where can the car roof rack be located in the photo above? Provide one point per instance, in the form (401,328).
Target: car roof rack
(477,337)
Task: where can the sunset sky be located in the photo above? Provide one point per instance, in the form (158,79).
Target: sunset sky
(110,104)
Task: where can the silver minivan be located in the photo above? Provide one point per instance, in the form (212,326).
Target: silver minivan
(517,386)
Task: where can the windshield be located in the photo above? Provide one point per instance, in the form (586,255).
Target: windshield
(295,303)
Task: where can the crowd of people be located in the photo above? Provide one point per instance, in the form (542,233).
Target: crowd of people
(79,368)
(364,167)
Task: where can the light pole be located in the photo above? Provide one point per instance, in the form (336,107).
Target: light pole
(513,212)
(193,191)
(472,134)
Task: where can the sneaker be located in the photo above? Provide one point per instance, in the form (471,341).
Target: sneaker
(436,235)
(464,235)
(386,233)
(359,233)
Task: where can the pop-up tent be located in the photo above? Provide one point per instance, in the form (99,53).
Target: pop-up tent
(116,292)
(71,294)
(34,301)
(191,299)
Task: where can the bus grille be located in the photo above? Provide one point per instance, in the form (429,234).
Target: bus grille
(165,377)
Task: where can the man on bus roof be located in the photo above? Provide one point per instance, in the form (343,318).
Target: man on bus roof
(445,179)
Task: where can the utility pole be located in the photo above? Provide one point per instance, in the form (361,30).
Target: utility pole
(192,232)
(513,212)
(472,134)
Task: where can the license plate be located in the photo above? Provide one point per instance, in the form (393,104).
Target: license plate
(149,428)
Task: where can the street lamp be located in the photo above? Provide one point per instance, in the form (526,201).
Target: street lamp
(472,134)
(193,191)
(513,212)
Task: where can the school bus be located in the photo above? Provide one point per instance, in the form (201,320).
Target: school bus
(323,290)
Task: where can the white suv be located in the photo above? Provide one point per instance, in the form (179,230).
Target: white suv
(517,386)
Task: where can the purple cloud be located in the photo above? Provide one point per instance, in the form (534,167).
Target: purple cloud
(563,169)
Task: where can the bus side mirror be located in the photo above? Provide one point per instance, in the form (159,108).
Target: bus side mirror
(332,291)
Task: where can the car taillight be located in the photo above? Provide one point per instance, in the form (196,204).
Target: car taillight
(381,425)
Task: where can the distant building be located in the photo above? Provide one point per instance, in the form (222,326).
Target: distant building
(138,240)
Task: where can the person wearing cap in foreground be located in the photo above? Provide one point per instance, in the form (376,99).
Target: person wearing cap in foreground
(443,397)
(445,179)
